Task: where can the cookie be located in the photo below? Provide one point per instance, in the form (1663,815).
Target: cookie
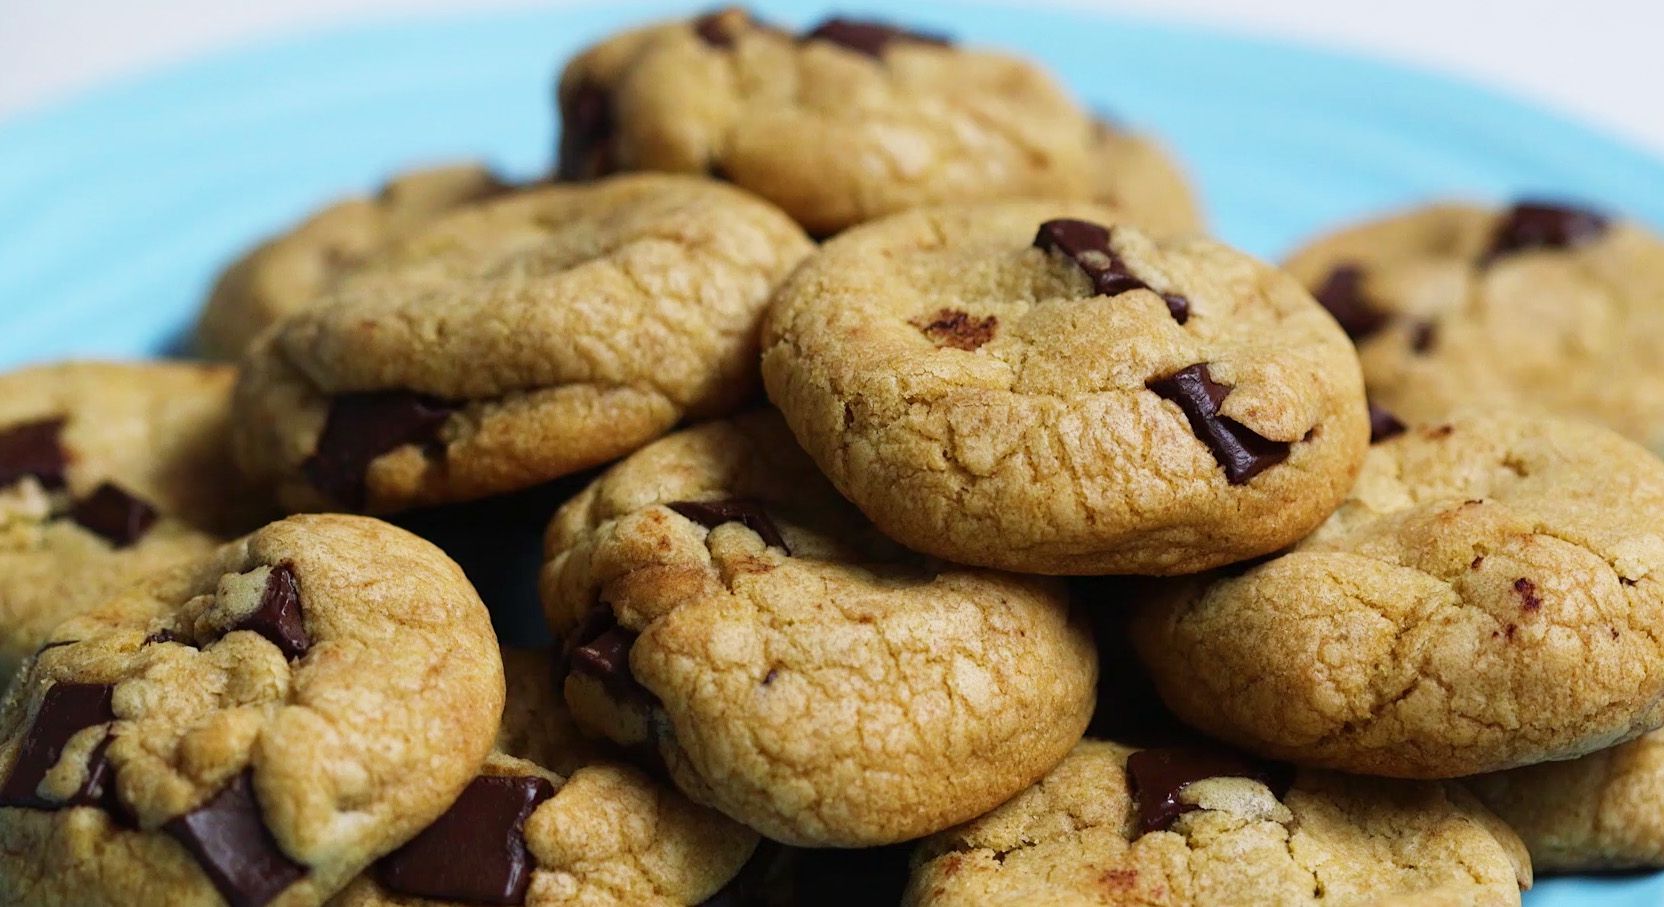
(108,471)
(595,832)
(1133,173)
(1114,825)
(1490,596)
(1538,306)
(729,615)
(513,342)
(1603,811)
(289,271)
(254,727)
(1038,387)
(843,123)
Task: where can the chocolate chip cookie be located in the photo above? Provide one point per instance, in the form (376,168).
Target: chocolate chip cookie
(526,831)
(287,272)
(251,728)
(841,123)
(1113,825)
(1491,595)
(1041,387)
(1603,811)
(1541,306)
(727,613)
(108,471)
(515,341)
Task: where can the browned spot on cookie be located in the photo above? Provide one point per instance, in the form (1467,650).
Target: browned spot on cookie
(1512,628)
(1474,564)
(1614,632)
(1439,431)
(960,330)
(1423,336)
(1527,590)
(1117,881)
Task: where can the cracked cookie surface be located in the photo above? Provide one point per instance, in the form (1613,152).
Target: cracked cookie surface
(515,341)
(730,615)
(1490,596)
(600,834)
(1544,307)
(108,472)
(1078,837)
(289,271)
(846,122)
(1602,811)
(254,727)
(1039,387)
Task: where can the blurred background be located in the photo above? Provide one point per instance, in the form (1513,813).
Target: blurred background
(1596,59)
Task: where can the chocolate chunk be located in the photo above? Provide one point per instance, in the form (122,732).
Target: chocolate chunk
(231,843)
(607,656)
(362,427)
(1539,225)
(1529,599)
(1342,293)
(1087,245)
(712,514)
(163,635)
(114,514)
(33,449)
(587,133)
(951,327)
(1383,424)
(65,710)
(476,851)
(1242,452)
(1158,775)
(870,38)
(278,617)
(1422,336)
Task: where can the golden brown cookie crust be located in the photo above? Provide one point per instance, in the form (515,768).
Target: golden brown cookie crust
(1602,811)
(289,271)
(565,326)
(976,399)
(156,430)
(1072,839)
(845,694)
(833,136)
(1488,597)
(350,748)
(1574,332)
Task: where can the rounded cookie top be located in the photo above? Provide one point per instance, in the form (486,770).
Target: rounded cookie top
(595,832)
(843,123)
(515,341)
(1134,174)
(253,728)
(1602,811)
(108,471)
(289,271)
(1114,825)
(729,613)
(1491,595)
(1040,387)
(1533,306)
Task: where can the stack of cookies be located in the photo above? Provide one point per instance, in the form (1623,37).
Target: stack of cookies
(1066,561)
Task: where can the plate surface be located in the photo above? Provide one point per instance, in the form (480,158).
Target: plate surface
(117,208)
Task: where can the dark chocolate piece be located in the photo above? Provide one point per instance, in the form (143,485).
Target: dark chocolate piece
(65,710)
(476,851)
(114,514)
(230,841)
(870,38)
(1342,293)
(1158,775)
(1088,246)
(363,426)
(587,133)
(279,617)
(1383,424)
(607,656)
(951,327)
(1239,449)
(712,514)
(1541,225)
(33,449)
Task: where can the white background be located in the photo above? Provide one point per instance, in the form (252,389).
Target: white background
(1598,59)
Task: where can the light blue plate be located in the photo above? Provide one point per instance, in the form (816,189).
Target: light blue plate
(117,208)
